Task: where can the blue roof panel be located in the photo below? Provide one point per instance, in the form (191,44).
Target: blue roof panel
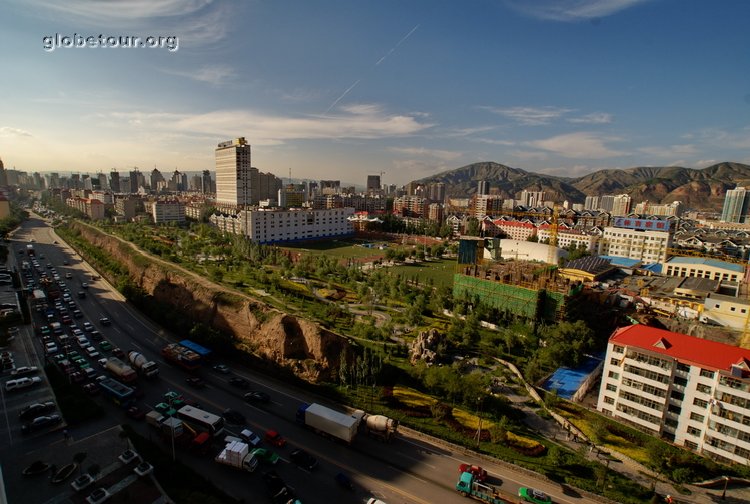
(715,263)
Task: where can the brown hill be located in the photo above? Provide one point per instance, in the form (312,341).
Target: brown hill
(695,188)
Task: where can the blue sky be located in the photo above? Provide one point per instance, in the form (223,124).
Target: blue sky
(344,88)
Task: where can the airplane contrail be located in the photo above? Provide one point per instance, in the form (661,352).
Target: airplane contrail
(398,44)
(403,39)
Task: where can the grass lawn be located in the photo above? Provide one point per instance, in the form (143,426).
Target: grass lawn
(440,271)
(341,249)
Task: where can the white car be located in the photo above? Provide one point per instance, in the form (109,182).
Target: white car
(22,383)
(250,437)
(23,370)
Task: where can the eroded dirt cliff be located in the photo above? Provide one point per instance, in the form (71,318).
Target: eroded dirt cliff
(309,350)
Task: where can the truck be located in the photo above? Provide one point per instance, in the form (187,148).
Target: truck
(379,426)
(237,454)
(120,370)
(147,368)
(175,429)
(181,356)
(329,422)
(469,486)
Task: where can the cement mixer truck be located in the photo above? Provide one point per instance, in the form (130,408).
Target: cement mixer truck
(343,426)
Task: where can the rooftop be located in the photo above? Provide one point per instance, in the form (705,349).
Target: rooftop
(681,347)
(715,263)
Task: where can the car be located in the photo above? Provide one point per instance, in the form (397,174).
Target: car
(222,368)
(277,489)
(68,275)
(88,326)
(92,353)
(77,377)
(24,370)
(77,313)
(35,468)
(534,496)
(373,500)
(51,348)
(35,409)
(85,285)
(96,335)
(195,381)
(24,382)
(103,362)
(98,496)
(117,352)
(256,396)
(136,413)
(165,409)
(274,438)
(303,459)
(238,382)
(233,417)
(143,469)
(478,473)
(250,437)
(81,295)
(90,389)
(265,455)
(40,422)
(105,321)
(105,346)
(82,482)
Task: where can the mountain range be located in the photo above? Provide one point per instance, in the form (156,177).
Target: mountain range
(700,189)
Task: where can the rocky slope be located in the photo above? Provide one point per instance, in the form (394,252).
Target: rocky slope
(300,345)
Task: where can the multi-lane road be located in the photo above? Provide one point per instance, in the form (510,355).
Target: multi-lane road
(411,469)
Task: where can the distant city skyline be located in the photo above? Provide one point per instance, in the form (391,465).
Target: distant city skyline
(338,90)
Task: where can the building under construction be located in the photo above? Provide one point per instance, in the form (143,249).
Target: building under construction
(532,290)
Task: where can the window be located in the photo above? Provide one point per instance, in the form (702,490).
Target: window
(706,373)
(608,400)
(614,361)
(614,375)
(705,389)
(674,409)
(693,431)
(678,380)
(690,445)
(683,367)
(697,417)
(679,396)
(618,349)
(611,387)
(700,403)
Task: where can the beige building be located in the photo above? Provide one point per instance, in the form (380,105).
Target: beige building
(168,211)
(646,246)
(702,267)
(233,174)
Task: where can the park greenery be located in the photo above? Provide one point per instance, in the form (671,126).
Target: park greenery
(381,310)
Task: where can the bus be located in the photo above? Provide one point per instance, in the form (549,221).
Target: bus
(120,394)
(202,420)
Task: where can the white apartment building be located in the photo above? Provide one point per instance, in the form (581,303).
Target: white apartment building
(691,391)
(168,211)
(646,246)
(268,225)
(516,230)
(568,237)
(727,311)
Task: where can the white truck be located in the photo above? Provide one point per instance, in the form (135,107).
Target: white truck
(380,426)
(329,422)
(147,368)
(237,454)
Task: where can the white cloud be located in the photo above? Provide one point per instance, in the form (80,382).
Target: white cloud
(361,121)
(593,118)
(421,151)
(669,151)
(580,145)
(530,116)
(571,10)
(495,141)
(8,132)
(529,155)
(212,74)
(124,10)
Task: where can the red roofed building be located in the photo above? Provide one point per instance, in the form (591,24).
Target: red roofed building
(691,391)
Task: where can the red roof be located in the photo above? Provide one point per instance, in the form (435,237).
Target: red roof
(689,349)
(502,223)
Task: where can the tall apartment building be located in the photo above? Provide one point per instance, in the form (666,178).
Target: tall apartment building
(485,204)
(532,198)
(233,174)
(690,391)
(436,192)
(373,184)
(736,205)
(591,203)
(206,183)
(621,205)
(483,188)
(168,211)
(114,182)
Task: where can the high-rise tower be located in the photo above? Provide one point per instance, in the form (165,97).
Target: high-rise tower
(233,175)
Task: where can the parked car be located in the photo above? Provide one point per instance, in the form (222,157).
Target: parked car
(36,409)
(40,422)
(105,321)
(117,352)
(22,383)
(303,459)
(24,370)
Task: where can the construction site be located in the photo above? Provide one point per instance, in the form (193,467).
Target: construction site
(529,289)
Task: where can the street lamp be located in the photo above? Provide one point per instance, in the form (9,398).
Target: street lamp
(479,414)
(724,492)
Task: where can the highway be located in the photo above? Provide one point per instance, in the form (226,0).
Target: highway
(407,470)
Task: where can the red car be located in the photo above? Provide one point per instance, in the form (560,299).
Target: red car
(275,438)
(479,473)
